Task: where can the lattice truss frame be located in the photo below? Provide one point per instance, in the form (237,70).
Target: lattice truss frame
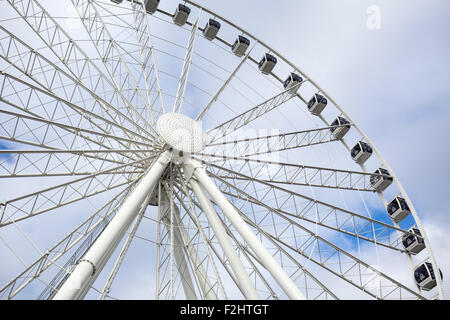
(85,111)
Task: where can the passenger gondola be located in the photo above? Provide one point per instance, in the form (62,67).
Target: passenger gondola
(413,243)
(361,152)
(211,29)
(267,63)
(424,276)
(181,14)
(316,104)
(292,83)
(151,6)
(340,132)
(240,46)
(398,209)
(380,183)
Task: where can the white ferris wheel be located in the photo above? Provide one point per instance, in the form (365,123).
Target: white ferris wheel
(154,149)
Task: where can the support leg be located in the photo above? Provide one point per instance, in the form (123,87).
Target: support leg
(236,264)
(88,268)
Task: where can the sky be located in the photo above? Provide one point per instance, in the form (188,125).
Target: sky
(386,63)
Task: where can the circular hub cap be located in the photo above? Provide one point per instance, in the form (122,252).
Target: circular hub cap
(181,132)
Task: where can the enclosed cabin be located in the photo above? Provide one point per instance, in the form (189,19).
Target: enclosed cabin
(240,46)
(317,103)
(211,29)
(424,276)
(292,83)
(398,209)
(413,243)
(267,63)
(151,6)
(382,181)
(117,1)
(181,14)
(340,132)
(361,152)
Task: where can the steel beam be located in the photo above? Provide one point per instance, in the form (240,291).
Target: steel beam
(264,256)
(245,284)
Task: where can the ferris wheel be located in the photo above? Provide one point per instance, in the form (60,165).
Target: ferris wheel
(154,149)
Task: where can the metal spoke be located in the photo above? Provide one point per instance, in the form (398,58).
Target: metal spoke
(62,85)
(148,60)
(113,58)
(329,260)
(225,84)
(250,256)
(271,143)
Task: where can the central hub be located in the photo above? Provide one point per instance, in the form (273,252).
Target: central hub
(181,132)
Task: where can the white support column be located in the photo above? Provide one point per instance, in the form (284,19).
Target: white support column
(182,83)
(243,279)
(196,263)
(182,266)
(269,262)
(88,268)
